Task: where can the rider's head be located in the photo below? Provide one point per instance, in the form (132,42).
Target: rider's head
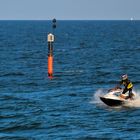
(124,77)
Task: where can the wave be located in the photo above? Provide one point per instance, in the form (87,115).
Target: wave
(12,74)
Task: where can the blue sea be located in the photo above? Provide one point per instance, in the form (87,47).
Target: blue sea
(89,58)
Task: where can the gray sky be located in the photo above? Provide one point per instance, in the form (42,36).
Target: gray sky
(69,9)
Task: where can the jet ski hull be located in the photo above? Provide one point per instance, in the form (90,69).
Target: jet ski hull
(112,102)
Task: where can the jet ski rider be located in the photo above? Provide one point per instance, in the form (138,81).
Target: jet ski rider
(128,86)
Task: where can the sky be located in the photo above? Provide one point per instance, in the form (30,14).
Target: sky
(69,9)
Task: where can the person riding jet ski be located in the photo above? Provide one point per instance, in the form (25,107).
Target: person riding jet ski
(128,86)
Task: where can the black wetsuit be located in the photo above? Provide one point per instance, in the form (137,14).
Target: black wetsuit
(128,87)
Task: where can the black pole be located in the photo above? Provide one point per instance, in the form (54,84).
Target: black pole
(54,24)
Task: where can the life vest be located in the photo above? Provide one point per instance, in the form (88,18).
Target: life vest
(127,84)
(130,85)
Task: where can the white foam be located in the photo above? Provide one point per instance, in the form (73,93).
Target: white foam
(135,102)
(96,95)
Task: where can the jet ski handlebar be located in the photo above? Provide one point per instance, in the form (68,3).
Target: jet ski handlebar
(115,88)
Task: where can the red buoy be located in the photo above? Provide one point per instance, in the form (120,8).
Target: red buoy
(50,55)
(50,66)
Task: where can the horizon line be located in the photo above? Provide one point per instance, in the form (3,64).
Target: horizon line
(69,19)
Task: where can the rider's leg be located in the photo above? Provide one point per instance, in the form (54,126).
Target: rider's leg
(125,90)
(130,93)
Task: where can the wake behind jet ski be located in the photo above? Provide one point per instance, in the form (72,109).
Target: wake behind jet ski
(118,96)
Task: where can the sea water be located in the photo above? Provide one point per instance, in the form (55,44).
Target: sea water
(89,58)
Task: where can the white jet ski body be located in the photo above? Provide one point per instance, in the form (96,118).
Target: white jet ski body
(112,98)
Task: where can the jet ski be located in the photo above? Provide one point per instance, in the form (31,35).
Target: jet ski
(114,98)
